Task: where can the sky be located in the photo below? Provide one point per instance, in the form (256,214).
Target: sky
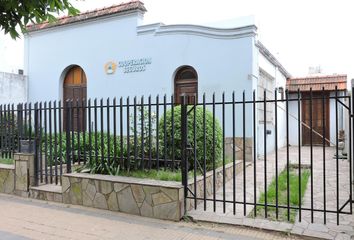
(300,34)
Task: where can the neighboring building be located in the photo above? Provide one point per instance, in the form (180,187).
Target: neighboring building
(13,88)
(317,84)
(111,53)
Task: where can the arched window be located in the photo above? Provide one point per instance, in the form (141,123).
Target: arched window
(75,88)
(186,84)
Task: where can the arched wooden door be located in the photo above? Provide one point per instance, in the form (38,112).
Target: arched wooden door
(186,84)
(75,88)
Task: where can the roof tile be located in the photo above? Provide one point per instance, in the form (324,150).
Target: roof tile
(115,9)
(317,83)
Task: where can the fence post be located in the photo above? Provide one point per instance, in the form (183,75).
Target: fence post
(36,143)
(67,120)
(184,149)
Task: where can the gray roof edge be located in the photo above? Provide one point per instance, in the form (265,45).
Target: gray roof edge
(270,57)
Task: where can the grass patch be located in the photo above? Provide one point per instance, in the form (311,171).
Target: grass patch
(9,161)
(282,195)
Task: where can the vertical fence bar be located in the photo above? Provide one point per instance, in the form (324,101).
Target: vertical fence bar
(89,131)
(214,172)
(254,156)
(115,130)
(78,130)
(102,133)
(72,131)
(121,132)
(299,146)
(10,132)
(84,126)
(184,136)
(60,140)
(233,154)
(265,154)
(157,134)
(311,152)
(30,123)
(13,145)
(9,139)
(128,134)
(2,128)
(142,163)
(95,130)
(19,126)
(135,137)
(55,143)
(5,132)
(109,132)
(25,130)
(204,154)
(36,158)
(324,154)
(6,128)
(149,137)
(244,151)
(68,127)
(164,132)
(276,154)
(195,149)
(173,131)
(337,156)
(223,153)
(40,141)
(45,142)
(350,154)
(287,156)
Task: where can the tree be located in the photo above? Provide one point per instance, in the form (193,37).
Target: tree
(16,14)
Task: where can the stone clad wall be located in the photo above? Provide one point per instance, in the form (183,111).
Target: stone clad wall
(149,198)
(7,178)
(209,181)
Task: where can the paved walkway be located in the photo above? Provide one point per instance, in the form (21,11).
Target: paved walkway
(305,227)
(22,219)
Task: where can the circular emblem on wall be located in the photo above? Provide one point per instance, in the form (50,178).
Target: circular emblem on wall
(110,67)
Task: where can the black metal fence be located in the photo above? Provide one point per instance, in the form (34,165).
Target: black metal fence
(282,182)
(249,137)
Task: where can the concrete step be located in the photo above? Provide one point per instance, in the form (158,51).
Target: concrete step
(47,192)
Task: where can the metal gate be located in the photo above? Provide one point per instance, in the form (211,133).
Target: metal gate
(269,173)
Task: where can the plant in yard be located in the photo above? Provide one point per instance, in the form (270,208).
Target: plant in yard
(142,132)
(282,195)
(174,142)
(100,167)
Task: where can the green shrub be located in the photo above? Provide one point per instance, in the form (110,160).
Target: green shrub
(199,136)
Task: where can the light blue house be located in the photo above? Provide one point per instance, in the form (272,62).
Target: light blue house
(111,53)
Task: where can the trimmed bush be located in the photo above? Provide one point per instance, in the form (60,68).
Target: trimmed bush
(199,136)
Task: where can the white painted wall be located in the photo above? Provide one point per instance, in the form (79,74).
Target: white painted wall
(13,88)
(223,59)
(279,81)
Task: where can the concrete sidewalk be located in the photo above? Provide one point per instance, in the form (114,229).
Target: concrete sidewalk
(31,219)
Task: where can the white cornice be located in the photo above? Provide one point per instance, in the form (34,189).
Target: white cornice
(159,29)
